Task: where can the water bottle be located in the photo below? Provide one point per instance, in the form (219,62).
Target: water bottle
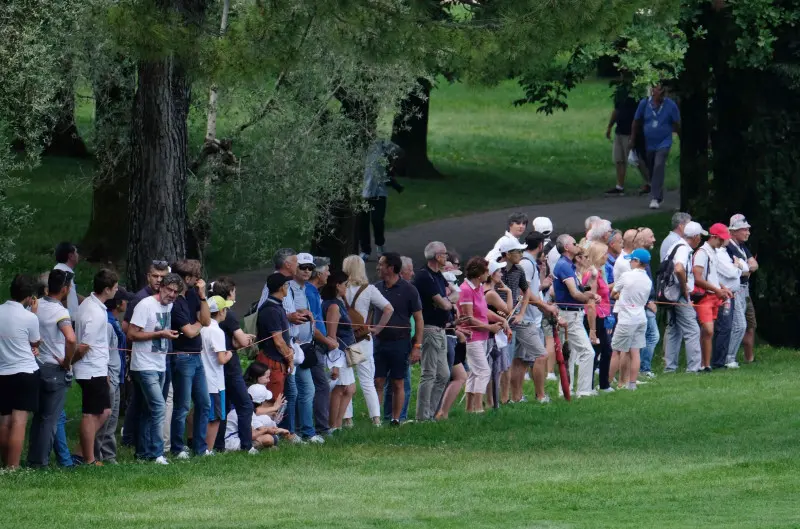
(726,308)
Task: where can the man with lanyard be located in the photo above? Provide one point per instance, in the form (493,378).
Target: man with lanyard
(658,117)
(737,247)
(533,314)
(570,301)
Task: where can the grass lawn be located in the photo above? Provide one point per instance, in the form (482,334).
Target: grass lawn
(713,450)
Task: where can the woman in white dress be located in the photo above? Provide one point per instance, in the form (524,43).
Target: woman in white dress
(365,298)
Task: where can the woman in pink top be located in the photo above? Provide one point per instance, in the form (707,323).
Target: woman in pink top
(595,260)
(475,316)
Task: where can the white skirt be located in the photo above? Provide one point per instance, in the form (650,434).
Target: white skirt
(347,376)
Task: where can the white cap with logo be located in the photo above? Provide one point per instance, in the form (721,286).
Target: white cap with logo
(305,258)
(543,225)
(693,229)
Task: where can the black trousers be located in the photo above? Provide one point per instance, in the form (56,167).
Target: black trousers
(376,213)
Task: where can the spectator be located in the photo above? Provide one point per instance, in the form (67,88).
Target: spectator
(646,240)
(150,332)
(596,259)
(632,290)
(407,273)
(393,349)
(56,349)
(384,161)
(285,262)
(214,356)
(498,300)
(105,443)
(628,246)
(90,362)
(622,116)
(657,117)
(517,224)
(708,294)
(265,432)
(19,372)
(682,322)
(679,222)
(322,389)
(473,308)
(365,299)
(436,308)
(67,259)
(599,232)
(340,329)
(614,251)
(532,321)
(570,300)
(189,315)
(740,234)
(730,324)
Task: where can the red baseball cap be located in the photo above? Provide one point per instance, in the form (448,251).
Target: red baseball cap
(720,230)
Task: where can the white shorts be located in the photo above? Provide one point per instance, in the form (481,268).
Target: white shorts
(629,336)
(233,443)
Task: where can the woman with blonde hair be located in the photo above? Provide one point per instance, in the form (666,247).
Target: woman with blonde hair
(364,299)
(593,276)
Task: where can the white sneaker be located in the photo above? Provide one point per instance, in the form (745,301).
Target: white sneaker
(316,439)
(295,439)
(592,393)
(544,400)
(551,376)
(364,256)
(609,389)
(381,250)
(161,460)
(631,386)
(732,365)
(184,454)
(527,376)
(654,204)
(208,453)
(253,451)
(649,374)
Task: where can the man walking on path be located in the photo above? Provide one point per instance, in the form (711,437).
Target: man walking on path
(737,247)
(658,117)
(382,162)
(622,116)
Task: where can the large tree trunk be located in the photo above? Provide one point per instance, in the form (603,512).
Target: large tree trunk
(157,201)
(65,140)
(410,131)
(106,239)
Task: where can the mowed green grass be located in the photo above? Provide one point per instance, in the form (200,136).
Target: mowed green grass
(713,450)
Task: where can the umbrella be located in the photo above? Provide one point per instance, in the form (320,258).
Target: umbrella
(562,368)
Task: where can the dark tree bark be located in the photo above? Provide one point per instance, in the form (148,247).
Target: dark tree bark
(157,200)
(107,236)
(410,131)
(65,140)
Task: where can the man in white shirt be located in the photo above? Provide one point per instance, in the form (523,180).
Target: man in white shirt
(150,330)
(90,364)
(729,272)
(709,294)
(19,372)
(55,359)
(679,222)
(737,247)
(632,292)
(517,224)
(67,259)
(623,264)
(682,320)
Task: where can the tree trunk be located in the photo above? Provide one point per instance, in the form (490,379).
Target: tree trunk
(693,87)
(157,201)
(65,140)
(106,239)
(410,131)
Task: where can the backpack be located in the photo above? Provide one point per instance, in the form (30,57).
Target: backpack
(360,327)
(667,285)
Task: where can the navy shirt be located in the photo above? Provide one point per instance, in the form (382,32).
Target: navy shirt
(184,312)
(563,272)
(626,109)
(405,300)
(229,326)
(272,319)
(143,293)
(429,283)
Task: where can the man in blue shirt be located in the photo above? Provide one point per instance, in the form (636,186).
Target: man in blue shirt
(570,300)
(658,117)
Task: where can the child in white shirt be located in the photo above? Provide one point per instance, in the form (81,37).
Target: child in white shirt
(214,356)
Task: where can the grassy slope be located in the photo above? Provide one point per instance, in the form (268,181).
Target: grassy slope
(715,450)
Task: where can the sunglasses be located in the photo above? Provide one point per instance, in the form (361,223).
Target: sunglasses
(306,268)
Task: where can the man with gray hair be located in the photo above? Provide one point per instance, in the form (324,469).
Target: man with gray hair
(679,222)
(285,263)
(407,272)
(599,232)
(436,312)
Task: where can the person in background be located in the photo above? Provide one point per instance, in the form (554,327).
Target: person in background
(339,328)
(622,116)
(517,224)
(614,251)
(105,444)
(90,362)
(320,376)
(679,222)
(384,162)
(740,233)
(19,372)
(55,360)
(67,259)
(657,118)
(214,356)
(628,246)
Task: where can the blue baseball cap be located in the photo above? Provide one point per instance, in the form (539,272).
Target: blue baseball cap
(641,255)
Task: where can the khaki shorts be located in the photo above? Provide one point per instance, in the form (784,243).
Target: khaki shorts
(620,151)
(528,345)
(750,315)
(629,336)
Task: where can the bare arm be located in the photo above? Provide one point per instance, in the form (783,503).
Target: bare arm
(611,121)
(193,330)
(494,299)
(388,310)
(579,296)
(676,128)
(223,357)
(474,323)
(242,339)
(442,303)
(70,344)
(332,325)
(136,334)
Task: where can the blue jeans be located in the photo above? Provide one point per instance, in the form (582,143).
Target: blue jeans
(305,402)
(290,394)
(387,397)
(60,445)
(722,335)
(651,340)
(189,386)
(149,392)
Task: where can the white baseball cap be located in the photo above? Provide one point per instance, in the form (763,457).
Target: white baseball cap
(494,266)
(510,244)
(259,393)
(543,225)
(693,229)
(305,258)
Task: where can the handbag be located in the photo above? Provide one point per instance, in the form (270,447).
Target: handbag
(355,354)
(310,356)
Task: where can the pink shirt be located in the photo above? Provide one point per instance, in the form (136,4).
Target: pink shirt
(474,296)
(604,307)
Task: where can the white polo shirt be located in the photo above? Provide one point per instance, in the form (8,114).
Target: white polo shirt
(634,292)
(729,274)
(683,255)
(19,328)
(552,258)
(706,258)
(667,244)
(52,316)
(621,265)
(72,297)
(213,342)
(90,329)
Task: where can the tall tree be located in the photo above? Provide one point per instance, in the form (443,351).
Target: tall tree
(410,131)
